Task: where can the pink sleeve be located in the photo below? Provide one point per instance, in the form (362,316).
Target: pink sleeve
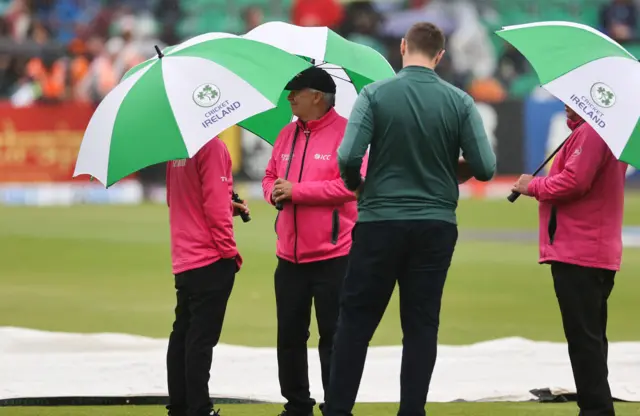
(168,182)
(365,163)
(214,165)
(270,176)
(331,192)
(585,156)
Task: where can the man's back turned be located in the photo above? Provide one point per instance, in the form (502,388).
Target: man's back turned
(416,125)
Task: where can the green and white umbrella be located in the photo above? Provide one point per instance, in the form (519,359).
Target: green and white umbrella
(352,65)
(589,72)
(170,106)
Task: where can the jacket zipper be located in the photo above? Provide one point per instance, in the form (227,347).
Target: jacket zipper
(307,133)
(335,226)
(552,226)
(286,175)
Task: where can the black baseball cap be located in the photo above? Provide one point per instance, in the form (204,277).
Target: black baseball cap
(314,78)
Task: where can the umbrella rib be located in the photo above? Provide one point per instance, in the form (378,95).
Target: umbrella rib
(335,76)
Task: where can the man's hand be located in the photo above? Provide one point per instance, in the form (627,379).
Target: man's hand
(282,190)
(360,189)
(240,207)
(522,185)
(463,171)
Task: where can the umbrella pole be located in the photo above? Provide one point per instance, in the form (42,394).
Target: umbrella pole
(514,195)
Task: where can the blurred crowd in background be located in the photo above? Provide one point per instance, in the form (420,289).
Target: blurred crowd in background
(55,50)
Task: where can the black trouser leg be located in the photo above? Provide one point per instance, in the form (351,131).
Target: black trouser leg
(293,304)
(327,281)
(368,286)
(582,295)
(421,286)
(176,353)
(205,293)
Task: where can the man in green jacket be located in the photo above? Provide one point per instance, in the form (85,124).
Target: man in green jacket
(416,125)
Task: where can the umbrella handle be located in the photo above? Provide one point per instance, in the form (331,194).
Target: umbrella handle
(515,195)
(235,198)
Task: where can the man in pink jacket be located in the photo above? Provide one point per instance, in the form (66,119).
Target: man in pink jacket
(313,228)
(581,206)
(205,260)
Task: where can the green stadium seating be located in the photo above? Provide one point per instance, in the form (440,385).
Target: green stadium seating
(225,16)
(523,85)
(513,12)
(633,49)
(196,6)
(241,4)
(4,5)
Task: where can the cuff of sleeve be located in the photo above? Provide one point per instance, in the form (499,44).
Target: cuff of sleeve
(532,188)
(295,193)
(271,201)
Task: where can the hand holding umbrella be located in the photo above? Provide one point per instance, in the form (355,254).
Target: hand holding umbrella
(240,207)
(282,192)
(519,188)
(592,74)
(352,66)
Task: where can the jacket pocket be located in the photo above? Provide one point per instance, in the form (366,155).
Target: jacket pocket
(553,225)
(335,227)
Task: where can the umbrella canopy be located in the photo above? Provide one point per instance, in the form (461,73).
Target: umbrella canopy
(169,106)
(589,72)
(353,66)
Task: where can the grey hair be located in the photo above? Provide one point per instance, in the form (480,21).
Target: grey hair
(329,98)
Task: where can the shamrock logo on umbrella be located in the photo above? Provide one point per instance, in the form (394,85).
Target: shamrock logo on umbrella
(602,95)
(206,95)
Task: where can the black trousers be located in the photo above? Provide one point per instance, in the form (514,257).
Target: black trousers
(202,296)
(582,294)
(297,285)
(417,254)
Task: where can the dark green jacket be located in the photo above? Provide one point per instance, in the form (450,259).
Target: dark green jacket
(416,124)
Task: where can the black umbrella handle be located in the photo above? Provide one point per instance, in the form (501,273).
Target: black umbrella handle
(235,198)
(515,195)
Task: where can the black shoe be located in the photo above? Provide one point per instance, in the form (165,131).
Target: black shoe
(286,413)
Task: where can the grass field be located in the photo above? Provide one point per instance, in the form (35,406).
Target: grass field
(106,269)
(436,409)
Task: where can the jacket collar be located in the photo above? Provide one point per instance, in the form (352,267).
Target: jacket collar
(574,124)
(415,69)
(322,122)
